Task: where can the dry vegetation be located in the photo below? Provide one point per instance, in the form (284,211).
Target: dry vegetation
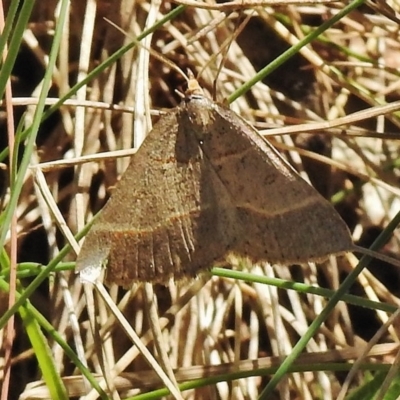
(216,328)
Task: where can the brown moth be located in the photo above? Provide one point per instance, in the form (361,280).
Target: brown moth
(205,184)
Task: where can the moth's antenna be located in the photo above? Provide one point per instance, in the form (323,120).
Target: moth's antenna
(152,52)
(225,46)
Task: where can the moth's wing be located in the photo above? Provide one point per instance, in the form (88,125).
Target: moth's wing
(286,220)
(161,220)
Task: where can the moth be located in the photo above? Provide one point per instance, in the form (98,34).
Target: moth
(205,184)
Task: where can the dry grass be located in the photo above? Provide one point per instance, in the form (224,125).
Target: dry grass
(214,326)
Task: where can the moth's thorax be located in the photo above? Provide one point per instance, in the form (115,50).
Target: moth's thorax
(199,110)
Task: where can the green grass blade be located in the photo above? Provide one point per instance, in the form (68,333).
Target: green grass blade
(43,355)
(273,65)
(16,40)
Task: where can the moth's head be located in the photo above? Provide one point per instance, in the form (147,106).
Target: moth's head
(197,111)
(193,89)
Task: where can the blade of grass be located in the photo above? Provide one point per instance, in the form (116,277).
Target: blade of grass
(302,288)
(43,355)
(369,389)
(273,65)
(42,321)
(15,43)
(47,80)
(43,275)
(213,380)
(6,90)
(9,23)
